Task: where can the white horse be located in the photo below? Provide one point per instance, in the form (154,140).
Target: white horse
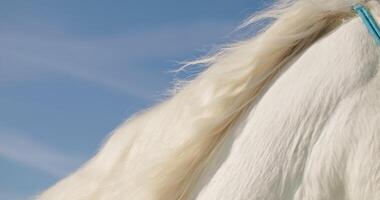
(292,113)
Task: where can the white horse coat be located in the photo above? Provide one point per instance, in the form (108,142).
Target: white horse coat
(314,133)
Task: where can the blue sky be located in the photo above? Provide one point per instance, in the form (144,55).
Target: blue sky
(71,71)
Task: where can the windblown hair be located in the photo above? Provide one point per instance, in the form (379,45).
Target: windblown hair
(234,79)
(203,111)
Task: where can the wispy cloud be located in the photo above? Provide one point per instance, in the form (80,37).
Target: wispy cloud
(25,150)
(7,195)
(120,62)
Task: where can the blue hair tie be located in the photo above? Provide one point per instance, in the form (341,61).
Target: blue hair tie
(369,21)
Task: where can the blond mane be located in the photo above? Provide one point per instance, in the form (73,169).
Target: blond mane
(203,111)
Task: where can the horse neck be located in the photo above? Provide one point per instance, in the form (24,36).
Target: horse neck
(282,129)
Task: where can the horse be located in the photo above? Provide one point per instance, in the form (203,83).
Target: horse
(289,113)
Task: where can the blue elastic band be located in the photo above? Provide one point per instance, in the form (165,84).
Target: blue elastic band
(369,21)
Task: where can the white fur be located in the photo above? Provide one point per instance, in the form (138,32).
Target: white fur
(315,119)
(250,128)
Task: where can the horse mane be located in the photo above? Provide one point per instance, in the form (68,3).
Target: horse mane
(205,109)
(234,78)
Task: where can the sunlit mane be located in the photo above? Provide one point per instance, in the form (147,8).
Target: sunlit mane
(169,152)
